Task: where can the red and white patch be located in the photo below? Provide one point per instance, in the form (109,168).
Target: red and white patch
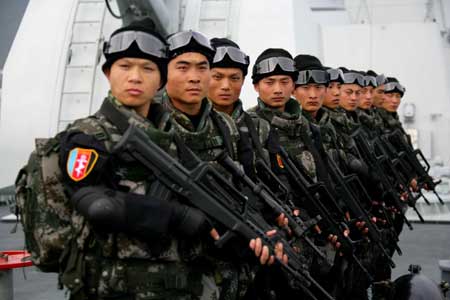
(80,163)
(280,161)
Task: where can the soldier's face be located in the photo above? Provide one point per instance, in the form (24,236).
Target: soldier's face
(365,101)
(225,87)
(332,95)
(275,90)
(391,101)
(310,96)
(188,80)
(134,82)
(349,98)
(378,96)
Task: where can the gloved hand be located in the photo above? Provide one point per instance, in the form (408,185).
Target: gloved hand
(140,215)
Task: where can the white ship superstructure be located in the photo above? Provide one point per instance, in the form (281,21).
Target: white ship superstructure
(52,75)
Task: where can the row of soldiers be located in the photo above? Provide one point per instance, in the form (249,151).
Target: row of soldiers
(192,197)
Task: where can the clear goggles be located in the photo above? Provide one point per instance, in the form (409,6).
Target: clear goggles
(381,79)
(392,87)
(370,81)
(354,78)
(269,64)
(233,53)
(312,76)
(183,38)
(147,43)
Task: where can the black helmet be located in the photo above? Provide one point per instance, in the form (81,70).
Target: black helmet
(416,287)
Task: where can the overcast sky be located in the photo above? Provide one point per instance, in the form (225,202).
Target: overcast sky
(11,13)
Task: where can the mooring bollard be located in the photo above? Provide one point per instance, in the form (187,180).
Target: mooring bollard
(10,260)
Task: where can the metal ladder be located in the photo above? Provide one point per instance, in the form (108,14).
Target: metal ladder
(83,57)
(215,18)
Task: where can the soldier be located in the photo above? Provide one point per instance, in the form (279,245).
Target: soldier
(310,90)
(393,93)
(370,122)
(377,97)
(333,91)
(115,254)
(338,116)
(348,93)
(273,77)
(207,133)
(129,243)
(350,96)
(378,92)
(229,68)
(228,71)
(371,125)
(346,122)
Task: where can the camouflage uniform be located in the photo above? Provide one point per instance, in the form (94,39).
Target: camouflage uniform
(344,128)
(232,273)
(355,283)
(370,122)
(327,131)
(332,142)
(206,140)
(249,143)
(291,127)
(106,265)
(391,120)
(238,115)
(377,117)
(386,122)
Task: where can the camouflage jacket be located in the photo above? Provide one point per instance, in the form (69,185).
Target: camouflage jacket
(207,140)
(327,130)
(344,128)
(98,133)
(238,113)
(119,265)
(332,142)
(112,264)
(391,121)
(370,123)
(261,127)
(291,127)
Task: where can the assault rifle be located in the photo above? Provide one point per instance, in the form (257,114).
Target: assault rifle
(408,171)
(203,187)
(396,164)
(353,203)
(316,194)
(416,160)
(383,168)
(298,226)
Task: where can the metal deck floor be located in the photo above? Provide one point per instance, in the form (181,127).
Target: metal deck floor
(425,245)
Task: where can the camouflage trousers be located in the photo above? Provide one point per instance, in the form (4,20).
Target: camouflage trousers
(147,280)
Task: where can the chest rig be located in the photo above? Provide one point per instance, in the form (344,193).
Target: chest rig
(215,132)
(291,131)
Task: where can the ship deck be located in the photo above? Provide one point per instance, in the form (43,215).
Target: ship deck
(425,246)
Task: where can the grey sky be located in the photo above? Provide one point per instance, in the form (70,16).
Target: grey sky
(11,13)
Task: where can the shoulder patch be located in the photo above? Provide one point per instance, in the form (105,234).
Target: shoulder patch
(80,163)
(280,161)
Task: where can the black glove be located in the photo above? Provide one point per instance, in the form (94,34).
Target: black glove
(143,216)
(190,221)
